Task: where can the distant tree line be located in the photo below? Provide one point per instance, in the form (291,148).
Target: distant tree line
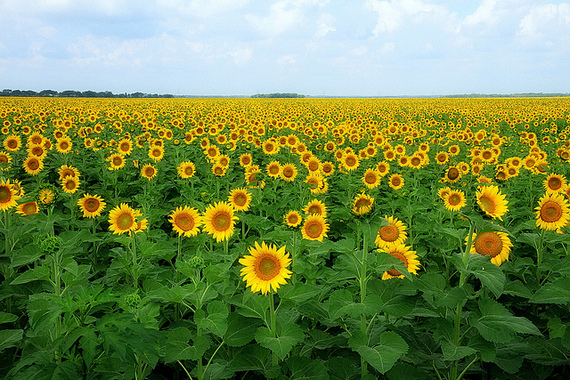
(81,94)
(279,95)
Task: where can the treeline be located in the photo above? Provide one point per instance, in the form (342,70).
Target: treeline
(279,95)
(80,94)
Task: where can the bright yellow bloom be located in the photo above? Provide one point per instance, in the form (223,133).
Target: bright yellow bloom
(265,268)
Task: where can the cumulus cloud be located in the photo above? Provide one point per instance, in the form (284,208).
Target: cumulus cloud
(548,18)
(324,25)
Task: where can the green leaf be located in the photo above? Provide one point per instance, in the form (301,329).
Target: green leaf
(517,288)
(298,292)
(496,323)
(486,349)
(452,298)
(488,273)
(399,306)
(341,303)
(178,347)
(34,274)
(217,272)
(254,358)
(7,317)
(556,328)
(303,368)
(341,368)
(10,338)
(288,336)
(453,352)
(382,356)
(240,331)
(557,292)
(216,320)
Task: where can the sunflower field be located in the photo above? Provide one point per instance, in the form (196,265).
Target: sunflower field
(284,238)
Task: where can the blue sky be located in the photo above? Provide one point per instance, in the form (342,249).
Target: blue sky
(312,47)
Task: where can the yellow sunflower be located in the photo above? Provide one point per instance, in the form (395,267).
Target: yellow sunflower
(245,159)
(116,160)
(70,184)
(554,183)
(452,174)
(552,212)
(362,204)
(265,268)
(123,219)
(64,145)
(8,196)
(156,153)
(12,143)
(273,169)
(405,255)
(219,221)
(65,171)
(316,207)
(350,161)
(492,201)
(315,227)
(454,200)
(38,151)
(288,172)
(383,168)
(91,205)
(495,244)
(46,196)
(186,169)
(240,199)
(396,181)
(293,218)
(148,171)
(27,208)
(33,165)
(393,233)
(185,221)
(5,159)
(371,178)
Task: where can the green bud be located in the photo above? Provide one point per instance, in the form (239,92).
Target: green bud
(51,244)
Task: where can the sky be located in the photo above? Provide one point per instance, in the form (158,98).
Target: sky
(311,47)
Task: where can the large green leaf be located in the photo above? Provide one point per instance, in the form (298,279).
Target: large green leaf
(382,356)
(490,275)
(34,274)
(216,319)
(287,336)
(341,303)
(303,368)
(557,292)
(240,331)
(10,338)
(453,352)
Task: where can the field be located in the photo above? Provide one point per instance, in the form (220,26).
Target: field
(284,238)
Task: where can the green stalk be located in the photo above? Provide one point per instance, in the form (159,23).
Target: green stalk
(363,282)
(539,254)
(200,369)
(273,326)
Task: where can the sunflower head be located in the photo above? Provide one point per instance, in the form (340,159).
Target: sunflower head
(293,218)
(91,205)
(552,212)
(240,199)
(492,201)
(393,233)
(405,254)
(495,244)
(219,221)
(265,268)
(315,227)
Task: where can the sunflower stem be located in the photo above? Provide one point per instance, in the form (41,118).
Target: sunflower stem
(273,326)
(540,253)
(363,282)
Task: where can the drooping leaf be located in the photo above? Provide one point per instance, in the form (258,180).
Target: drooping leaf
(382,356)
(281,344)
(557,292)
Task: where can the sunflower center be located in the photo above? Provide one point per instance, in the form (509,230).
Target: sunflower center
(389,233)
(63,145)
(293,219)
(288,172)
(125,221)
(314,209)
(362,203)
(5,194)
(12,144)
(33,164)
(240,200)
(554,183)
(396,181)
(370,178)
(117,161)
(454,199)
(70,185)
(29,208)
(488,244)
(452,173)
(402,258)
(188,170)
(91,204)
(3,159)
(221,222)
(350,161)
(487,204)
(267,267)
(184,222)
(550,212)
(314,230)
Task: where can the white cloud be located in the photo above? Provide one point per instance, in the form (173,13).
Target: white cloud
(389,18)
(324,25)
(550,18)
(484,14)
(287,59)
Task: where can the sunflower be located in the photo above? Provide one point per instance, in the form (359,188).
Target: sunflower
(245,159)
(35,139)
(396,181)
(212,152)
(38,151)
(270,147)
(123,219)
(46,195)
(350,161)
(125,147)
(317,183)
(405,255)
(116,160)
(491,201)
(552,212)
(454,200)
(327,168)
(495,244)
(12,143)
(371,178)
(91,205)
(316,207)
(5,159)
(315,227)
(273,169)
(186,169)
(156,153)
(148,171)
(185,221)
(554,183)
(383,168)
(27,208)
(293,219)
(240,199)
(442,158)
(265,268)
(313,164)
(288,172)
(64,145)
(8,196)
(70,184)
(219,221)
(67,171)
(393,233)
(452,174)
(362,204)
(33,165)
